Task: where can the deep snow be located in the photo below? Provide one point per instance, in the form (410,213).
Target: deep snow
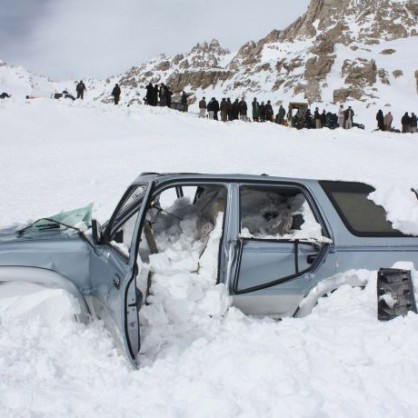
(339,361)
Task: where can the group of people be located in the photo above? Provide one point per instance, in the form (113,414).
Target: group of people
(227,110)
(162,96)
(409,123)
(384,122)
(158,95)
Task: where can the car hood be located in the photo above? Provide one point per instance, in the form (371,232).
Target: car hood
(59,226)
(14,233)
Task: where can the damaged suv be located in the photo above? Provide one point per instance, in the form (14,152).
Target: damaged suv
(280,244)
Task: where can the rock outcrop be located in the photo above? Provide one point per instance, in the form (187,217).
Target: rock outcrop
(339,37)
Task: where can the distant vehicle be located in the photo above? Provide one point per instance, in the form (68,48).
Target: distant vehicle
(297,114)
(285,242)
(64,95)
(48,94)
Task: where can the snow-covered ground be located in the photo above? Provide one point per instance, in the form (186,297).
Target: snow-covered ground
(338,362)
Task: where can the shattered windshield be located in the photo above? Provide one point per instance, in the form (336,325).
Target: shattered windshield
(78,219)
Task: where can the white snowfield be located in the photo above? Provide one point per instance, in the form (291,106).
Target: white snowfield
(200,357)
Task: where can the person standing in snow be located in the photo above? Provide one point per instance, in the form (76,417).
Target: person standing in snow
(229,109)
(380,120)
(341,116)
(256,110)
(235,109)
(223,107)
(116,93)
(388,119)
(163,95)
(202,108)
(413,123)
(184,101)
(317,117)
(243,109)
(80,89)
(323,118)
(269,111)
(155,92)
(262,112)
(215,109)
(280,115)
(150,90)
(210,108)
(348,118)
(168,94)
(405,121)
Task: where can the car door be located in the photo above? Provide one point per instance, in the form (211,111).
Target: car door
(114,269)
(280,250)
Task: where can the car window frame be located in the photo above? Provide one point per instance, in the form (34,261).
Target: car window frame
(322,250)
(323,246)
(329,186)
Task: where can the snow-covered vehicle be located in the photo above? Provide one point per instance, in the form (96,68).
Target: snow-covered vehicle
(279,244)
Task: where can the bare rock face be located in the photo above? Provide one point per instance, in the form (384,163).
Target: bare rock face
(359,73)
(298,59)
(383,76)
(388,51)
(341,95)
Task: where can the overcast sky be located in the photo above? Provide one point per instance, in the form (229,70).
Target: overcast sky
(97,38)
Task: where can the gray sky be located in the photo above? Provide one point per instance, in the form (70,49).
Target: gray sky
(97,38)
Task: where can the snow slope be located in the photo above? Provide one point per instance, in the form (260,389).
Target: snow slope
(338,362)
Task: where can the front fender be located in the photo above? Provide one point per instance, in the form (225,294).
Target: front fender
(47,278)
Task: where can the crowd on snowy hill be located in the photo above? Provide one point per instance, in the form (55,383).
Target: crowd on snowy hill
(263,112)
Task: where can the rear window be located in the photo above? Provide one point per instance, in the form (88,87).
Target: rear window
(360,215)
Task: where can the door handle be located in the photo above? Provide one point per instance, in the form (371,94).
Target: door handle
(116,282)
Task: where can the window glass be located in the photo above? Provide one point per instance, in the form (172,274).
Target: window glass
(135,194)
(277,213)
(360,214)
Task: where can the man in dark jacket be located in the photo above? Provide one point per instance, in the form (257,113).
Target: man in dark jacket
(210,108)
(202,108)
(224,110)
(80,88)
(262,112)
(242,107)
(256,110)
(148,96)
(235,109)
(116,93)
(405,121)
(380,120)
(215,109)
(168,94)
(269,111)
(184,101)
(280,115)
(413,123)
(229,109)
(163,95)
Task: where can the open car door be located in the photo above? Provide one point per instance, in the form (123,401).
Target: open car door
(114,270)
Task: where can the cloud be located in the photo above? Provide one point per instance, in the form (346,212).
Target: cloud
(97,38)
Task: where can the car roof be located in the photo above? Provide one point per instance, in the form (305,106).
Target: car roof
(164,177)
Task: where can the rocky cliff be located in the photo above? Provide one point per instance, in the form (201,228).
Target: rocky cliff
(338,50)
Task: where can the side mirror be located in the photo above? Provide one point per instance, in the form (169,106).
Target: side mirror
(96,230)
